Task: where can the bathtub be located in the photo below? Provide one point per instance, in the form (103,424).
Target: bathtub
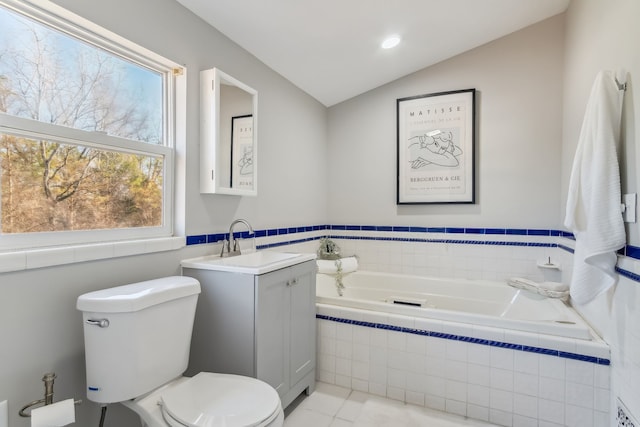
(476,302)
(478,349)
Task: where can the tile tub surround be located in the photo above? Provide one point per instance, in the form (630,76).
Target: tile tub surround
(472,253)
(487,379)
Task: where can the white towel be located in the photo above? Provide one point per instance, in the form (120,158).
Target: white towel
(347,265)
(593,203)
(547,289)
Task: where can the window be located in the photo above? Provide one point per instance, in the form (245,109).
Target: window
(87,128)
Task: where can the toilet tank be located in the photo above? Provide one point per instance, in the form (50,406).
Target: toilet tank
(137,336)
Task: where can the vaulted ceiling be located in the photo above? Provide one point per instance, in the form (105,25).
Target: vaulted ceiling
(331,48)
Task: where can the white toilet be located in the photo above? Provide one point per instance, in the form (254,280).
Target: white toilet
(137,340)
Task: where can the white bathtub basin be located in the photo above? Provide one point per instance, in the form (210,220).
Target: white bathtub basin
(474,302)
(251,263)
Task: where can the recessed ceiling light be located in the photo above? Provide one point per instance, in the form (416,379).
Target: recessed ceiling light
(390,42)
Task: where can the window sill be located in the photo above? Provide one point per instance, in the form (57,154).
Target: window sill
(53,256)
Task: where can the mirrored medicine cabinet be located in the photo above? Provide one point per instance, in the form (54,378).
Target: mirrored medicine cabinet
(228,135)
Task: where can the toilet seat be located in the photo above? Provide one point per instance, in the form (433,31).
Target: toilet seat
(210,400)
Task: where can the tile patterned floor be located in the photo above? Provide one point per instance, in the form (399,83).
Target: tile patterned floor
(333,406)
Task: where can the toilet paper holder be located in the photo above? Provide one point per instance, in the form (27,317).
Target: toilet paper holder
(48,380)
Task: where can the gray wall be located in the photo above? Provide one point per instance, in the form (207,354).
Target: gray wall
(530,85)
(40,328)
(519,138)
(603,35)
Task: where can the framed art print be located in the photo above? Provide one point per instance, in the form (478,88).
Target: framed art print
(436,142)
(242,152)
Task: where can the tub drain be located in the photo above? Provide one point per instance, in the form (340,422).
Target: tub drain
(413,302)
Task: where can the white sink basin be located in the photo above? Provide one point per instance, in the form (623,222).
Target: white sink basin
(256,259)
(252,263)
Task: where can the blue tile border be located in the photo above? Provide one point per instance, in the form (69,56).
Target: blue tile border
(212,238)
(629,251)
(471,340)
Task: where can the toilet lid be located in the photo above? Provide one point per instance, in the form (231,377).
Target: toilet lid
(209,400)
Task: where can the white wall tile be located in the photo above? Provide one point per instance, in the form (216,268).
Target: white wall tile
(343,366)
(397,359)
(456,350)
(525,405)
(360,385)
(543,423)
(13,261)
(57,256)
(579,395)
(361,335)
(552,389)
(325,376)
(478,395)
(326,346)
(501,400)
(479,354)
(326,328)
(379,389)
(577,416)
(477,412)
(513,387)
(416,383)
(502,358)
(526,362)
(378,374)
(416,363)
(343,381)
(479,374)
(601,418)
(434,402)
(344,349)
(552,367)
(580,372)
(435,366)
(396,378)
(526,383)
(395,393)
(456,407)
(436,347)
(500,417)
(456,390)
(344,331)
(378,338)
(456,371)
(522,421)
(396,340)
(360,370)
(414,398)
(502,379)
(416,344)
(361,352)
(435,386)
(552,411)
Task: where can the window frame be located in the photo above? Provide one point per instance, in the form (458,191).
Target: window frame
(174,104)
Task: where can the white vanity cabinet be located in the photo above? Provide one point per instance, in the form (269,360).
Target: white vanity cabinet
(258,325)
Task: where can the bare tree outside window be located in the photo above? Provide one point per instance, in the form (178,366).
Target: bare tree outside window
(49,185)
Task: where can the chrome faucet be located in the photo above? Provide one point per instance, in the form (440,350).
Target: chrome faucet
(232,246)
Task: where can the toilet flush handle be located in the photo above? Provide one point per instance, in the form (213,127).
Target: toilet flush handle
(103,323)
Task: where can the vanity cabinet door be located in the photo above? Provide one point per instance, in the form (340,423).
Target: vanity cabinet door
(303,324)
(285,327)
(272,329)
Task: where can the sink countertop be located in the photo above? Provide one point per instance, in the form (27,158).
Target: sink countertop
(255,263)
